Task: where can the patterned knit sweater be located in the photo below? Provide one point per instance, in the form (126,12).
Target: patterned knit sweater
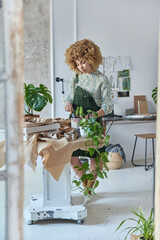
(97,84)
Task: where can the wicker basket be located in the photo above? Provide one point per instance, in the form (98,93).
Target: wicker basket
(115,160)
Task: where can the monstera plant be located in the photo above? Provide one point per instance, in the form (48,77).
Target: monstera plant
(36,98)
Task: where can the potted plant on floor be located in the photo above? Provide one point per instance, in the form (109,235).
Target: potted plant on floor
(94,132)
(36,98)
(145,227)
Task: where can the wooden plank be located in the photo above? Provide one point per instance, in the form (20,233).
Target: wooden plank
(136,99)
(147,135)
(142,107)
(157,163)
(14,56)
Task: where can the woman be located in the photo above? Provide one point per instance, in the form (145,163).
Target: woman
(89,88)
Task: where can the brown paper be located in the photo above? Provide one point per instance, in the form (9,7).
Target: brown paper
(55,153)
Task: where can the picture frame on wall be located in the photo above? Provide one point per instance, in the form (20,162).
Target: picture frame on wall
(117,69)
(123,93)
(123,83)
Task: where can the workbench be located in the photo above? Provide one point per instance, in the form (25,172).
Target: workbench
(131,119)
(56,201)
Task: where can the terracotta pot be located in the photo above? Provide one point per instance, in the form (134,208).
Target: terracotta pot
(31,116)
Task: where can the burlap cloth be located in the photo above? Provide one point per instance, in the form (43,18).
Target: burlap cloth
(55,153)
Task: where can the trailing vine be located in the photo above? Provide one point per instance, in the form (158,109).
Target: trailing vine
(95,132)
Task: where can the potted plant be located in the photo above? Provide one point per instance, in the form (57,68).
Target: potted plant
(36,98)
(145,227)
(76,118)
(94,132)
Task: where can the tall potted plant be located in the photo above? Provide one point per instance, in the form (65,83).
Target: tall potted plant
(36,98)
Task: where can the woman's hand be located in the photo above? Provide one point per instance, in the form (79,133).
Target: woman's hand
(69,107)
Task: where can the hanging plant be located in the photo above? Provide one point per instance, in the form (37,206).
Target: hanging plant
(95,132)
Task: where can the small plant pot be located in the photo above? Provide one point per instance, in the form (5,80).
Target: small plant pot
(31,116)
(68,136)
(74,136)
(83,133)
(136,237)
(75,123)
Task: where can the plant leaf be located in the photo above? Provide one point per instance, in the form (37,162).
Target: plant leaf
(82,121)
(96,184)
(91,151)
(100,174)
(106,140)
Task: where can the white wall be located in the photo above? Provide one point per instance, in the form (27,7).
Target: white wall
(62,37)
(120,28)
(124,27)
(37,46)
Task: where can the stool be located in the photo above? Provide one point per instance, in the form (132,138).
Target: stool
(146,137)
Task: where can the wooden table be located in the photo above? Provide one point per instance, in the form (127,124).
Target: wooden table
(124,120)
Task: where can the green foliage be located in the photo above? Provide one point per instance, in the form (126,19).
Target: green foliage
(154,94)
(145,227)
(36,98)
(79,112)
(95,132)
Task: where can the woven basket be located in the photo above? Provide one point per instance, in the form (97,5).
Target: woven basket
(115,160)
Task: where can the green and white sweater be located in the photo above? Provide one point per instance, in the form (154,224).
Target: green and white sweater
(97,84)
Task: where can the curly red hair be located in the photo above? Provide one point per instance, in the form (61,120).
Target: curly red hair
(86,50)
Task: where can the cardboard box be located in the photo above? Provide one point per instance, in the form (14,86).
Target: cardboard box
(136,99)
(142,107)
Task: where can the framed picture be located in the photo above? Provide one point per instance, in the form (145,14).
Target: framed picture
(124,83)
(123,94)
(124,73)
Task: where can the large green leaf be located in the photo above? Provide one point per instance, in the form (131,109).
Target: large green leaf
(37,97)
(39,104)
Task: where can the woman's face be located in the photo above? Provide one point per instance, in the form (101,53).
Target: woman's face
(84,67)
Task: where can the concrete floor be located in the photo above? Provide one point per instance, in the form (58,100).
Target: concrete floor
(125,189)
